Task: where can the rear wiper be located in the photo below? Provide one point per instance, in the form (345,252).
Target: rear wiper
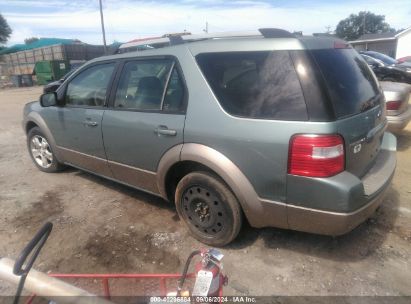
(369,104)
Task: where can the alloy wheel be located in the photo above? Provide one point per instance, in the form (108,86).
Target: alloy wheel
(41,151)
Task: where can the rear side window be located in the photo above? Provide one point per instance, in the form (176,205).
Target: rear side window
(351,85)
(142,84)
(151,85)
(174,97)
(255,84)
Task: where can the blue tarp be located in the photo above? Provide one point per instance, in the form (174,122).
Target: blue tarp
(42,42)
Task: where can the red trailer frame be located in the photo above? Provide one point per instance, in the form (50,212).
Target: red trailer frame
(106,278)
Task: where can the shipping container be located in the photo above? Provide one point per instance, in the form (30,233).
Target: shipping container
(24,62)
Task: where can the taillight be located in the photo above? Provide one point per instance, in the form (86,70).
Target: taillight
(393,105)
(316,155)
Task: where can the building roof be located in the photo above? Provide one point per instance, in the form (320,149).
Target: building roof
(403,32)
(376,36)
(380,36)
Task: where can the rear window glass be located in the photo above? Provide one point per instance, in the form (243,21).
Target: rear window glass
(384,58)
(350,82)
(255,84)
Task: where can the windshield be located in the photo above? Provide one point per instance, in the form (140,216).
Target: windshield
(351,85)
(384,58)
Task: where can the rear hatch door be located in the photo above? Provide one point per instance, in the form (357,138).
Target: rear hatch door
(358,105)
(363,134)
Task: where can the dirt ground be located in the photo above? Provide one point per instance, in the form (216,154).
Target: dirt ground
(102,227)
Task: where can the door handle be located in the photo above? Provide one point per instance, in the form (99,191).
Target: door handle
(90,123)
(164,130)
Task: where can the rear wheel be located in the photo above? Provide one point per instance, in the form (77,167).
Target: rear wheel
(41,152)
(209,208)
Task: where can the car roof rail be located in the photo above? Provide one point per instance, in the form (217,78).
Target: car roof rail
(171,40)
(275,33)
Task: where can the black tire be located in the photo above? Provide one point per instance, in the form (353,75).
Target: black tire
(209,208)
(53,164)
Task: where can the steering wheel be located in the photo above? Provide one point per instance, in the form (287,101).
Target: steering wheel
(99,97)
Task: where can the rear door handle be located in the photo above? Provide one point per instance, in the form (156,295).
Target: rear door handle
(90,123)
(164,130)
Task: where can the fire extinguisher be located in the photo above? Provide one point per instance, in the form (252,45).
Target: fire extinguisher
(209,278)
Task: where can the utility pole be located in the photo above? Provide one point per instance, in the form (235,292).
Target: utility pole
(102,27)
(206,27)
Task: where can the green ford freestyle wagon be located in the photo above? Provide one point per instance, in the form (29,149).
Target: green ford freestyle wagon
(269,128)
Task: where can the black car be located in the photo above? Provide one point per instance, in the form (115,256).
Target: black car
(387,68)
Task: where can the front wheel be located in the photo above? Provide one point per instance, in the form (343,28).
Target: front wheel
(209,208)
(41,152)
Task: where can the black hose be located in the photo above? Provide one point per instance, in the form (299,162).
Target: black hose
(185,270)
(30,253)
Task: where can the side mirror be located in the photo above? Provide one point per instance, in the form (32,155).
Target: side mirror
(48,99)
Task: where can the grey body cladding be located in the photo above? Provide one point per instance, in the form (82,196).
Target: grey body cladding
(131,176)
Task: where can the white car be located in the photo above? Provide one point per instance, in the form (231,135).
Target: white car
(397,96)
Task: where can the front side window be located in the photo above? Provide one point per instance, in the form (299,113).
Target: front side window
(142,84)
(255,84)
(89,88)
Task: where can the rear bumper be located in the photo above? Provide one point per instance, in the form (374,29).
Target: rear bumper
(330,223)
(335,206)
(399,122)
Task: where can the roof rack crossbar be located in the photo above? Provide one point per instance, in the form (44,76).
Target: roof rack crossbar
(174,40)
(275,33)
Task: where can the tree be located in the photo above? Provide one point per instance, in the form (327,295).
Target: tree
(30,40)
(364,23)
(5,30)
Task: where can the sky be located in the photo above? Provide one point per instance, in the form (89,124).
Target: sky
(130,19)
